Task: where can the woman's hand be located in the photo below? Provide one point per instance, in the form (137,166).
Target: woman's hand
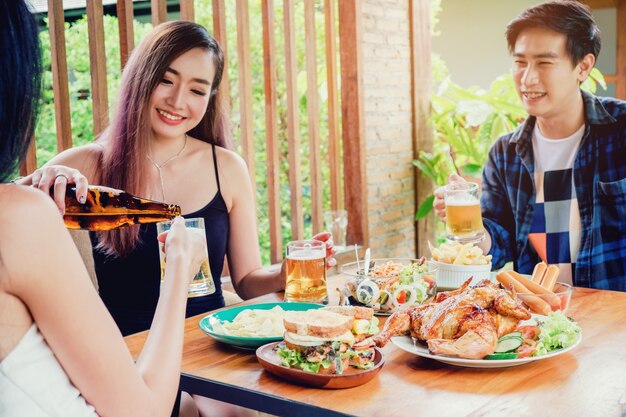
(185,244)
(60,176)
(327,237)
(439,204)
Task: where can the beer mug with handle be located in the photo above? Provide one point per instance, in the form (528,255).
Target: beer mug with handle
(306,271)
(202,283)
(464,222)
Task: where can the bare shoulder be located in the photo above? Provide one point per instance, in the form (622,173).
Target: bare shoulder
(22,206)
(85,158)
(230,162)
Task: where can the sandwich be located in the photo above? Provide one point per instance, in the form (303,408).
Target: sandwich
(323,341)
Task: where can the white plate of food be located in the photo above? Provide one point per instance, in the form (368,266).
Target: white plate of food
(415,347)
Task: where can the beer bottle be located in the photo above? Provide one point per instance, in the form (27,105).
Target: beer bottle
(107,208)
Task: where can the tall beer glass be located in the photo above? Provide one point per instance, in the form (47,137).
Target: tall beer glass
(202,283)
(464,222)
(306,271)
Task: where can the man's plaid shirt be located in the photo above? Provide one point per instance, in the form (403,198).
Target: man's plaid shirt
(600,179)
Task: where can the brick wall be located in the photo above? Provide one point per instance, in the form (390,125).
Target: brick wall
(388,124)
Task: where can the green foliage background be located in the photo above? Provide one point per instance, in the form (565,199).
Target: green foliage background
(81,106)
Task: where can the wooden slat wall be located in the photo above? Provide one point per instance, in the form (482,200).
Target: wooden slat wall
(245,88)
(312,100)
(419,23)
(352,96)
(125,16)
(293,135)
(60,87)
(97,62)
(271,131)
(334,144)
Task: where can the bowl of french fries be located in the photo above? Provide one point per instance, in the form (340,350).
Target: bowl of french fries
(540,291)
(456,262)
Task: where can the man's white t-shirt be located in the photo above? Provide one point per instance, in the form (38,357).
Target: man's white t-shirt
(555,229)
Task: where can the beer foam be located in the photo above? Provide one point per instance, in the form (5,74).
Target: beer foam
(461,200)
(306,254)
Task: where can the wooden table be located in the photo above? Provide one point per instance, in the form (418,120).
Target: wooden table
(587,381)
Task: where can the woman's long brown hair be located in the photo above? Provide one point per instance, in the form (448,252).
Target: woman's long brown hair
(124,161)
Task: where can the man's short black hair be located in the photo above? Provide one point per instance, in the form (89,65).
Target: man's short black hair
(570,18)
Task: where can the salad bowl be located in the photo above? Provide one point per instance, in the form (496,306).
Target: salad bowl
(389,284)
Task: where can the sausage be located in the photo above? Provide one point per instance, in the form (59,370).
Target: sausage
(535,303)
(535,288)
(539,272)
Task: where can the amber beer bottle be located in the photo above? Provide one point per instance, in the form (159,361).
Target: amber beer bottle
(107,208)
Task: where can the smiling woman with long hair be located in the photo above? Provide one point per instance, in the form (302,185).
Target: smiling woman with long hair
(60,352)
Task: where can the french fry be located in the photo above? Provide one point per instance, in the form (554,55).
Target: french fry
(539,272)
(536,304)
(552,299)
(549,278)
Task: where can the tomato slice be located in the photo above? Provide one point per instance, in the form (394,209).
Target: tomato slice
(429,280)
(401,297)
(529,331)
(524,351)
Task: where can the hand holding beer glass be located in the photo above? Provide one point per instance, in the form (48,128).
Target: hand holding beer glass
(202,283)
(306,271)
(464,222)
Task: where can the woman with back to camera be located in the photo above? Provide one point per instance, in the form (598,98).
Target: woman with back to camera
(60,352)
(168,141)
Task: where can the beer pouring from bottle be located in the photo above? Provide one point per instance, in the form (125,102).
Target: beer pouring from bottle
(106,209)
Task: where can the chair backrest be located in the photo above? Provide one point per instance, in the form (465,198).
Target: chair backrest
(83,243)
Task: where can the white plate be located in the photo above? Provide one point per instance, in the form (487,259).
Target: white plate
(406,343)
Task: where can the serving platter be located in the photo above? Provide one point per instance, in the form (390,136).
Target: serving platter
(415,347)
(229,314)
(352,377)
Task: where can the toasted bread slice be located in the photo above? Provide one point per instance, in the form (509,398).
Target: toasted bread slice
(358,313)
(317,323)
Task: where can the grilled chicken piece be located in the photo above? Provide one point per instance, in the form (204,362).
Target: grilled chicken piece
(465,322)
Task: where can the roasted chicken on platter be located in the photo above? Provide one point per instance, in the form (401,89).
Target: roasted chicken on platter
(465,322)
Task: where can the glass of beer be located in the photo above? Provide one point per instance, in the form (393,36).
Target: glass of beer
(306,271)
(336,222)
(202,283)
(464,222)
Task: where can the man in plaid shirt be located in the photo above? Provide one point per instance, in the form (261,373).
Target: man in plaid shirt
(555,188)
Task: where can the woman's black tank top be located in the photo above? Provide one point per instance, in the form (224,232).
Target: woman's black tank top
(130,286)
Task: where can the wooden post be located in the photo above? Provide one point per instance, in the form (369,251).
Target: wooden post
(293,136)
(219,33)
(187,10)
(245,88)
(159,11)
(126,26)
(313,113)
(353,122)
(620,84)
(419,20)
(60,83)
(271,132)
(97,61)
(334,144)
